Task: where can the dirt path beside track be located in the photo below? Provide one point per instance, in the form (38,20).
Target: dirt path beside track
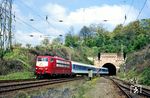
(104,88)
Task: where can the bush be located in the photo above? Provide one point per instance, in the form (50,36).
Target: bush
(8,66)
(145,76)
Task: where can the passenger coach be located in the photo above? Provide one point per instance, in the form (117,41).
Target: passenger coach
(83,69)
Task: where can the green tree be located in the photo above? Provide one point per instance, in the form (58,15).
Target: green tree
(45,42)
(85,34)
(71,41)
(28,46)
(56,41)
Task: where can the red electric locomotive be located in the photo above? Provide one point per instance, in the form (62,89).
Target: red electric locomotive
(52,66)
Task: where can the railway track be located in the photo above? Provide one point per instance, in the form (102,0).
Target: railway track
(131,90)
(13,86)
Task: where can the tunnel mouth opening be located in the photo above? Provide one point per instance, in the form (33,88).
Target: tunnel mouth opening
(111,68)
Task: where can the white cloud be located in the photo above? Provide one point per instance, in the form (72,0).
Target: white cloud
(115,14)
(55,10)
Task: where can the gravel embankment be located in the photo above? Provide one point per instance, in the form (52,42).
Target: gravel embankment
(104,88)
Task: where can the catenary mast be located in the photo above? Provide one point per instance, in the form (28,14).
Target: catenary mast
(5,25)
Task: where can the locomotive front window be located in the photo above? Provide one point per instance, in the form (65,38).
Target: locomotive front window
(43,59)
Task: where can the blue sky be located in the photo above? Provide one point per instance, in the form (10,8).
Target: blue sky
(75,13)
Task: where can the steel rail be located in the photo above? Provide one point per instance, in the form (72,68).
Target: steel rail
(121,88)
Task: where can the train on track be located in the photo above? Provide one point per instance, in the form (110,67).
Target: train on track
(51,66)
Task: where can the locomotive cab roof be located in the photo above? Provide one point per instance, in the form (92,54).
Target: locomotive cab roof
(56,57)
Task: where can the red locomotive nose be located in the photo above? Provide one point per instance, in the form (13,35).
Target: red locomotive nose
(41,64)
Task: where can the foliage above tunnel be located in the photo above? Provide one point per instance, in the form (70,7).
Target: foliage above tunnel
(131,37)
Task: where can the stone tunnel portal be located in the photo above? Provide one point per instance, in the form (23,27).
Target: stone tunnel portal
(111,68)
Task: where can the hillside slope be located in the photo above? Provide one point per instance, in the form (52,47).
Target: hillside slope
(137,66)
(22,60)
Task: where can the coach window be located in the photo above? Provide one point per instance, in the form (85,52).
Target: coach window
(51,60)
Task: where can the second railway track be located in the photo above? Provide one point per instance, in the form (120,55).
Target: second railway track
(125,87)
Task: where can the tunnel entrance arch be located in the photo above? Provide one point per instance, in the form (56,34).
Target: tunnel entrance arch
(111,68)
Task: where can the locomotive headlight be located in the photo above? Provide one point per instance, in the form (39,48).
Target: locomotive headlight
(46,68)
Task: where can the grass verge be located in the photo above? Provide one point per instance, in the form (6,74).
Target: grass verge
(83,89)
(18,75)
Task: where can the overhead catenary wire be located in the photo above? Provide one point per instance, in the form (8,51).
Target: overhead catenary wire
(126,14)
(24,22)
(141,9)
(138,13)
(132,2)
(36,13)
(148,7)
(125,18)
(29,25)
(46,18)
